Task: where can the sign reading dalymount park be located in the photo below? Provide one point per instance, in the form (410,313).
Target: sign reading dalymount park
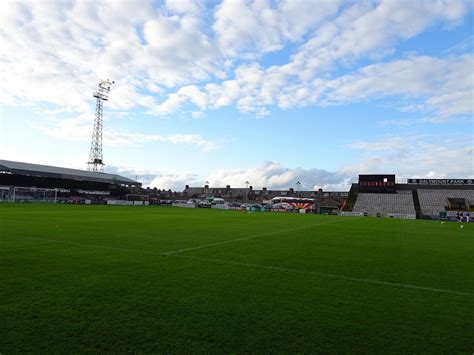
(441,181)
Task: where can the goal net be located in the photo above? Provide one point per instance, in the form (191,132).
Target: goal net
(4,193)
(33,194)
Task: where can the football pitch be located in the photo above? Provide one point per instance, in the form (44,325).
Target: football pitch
(171,280)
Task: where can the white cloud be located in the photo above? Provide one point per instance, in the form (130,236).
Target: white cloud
(197,114)
(429,161)
(387,143)
(175,181)
(411,155)
(359,30)
(275,176)
(238,24)
(269,174)
(367,27)
(177,52)
(416,155)
(120,138)
(80,129)
(184,6)
(454,103)
(444,86)
(55,52)
(439,87)
(251,28)
(179,55)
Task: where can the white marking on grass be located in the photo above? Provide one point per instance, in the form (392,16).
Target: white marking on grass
(265,267)
(95,246)
(326,275)
(247,238)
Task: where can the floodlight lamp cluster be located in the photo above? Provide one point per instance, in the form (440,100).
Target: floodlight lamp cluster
(104,89)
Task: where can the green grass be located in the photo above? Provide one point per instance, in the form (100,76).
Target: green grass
(101,278)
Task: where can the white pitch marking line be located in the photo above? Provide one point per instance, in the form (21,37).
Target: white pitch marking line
(95,246)
(247,238)
(267,267)
(185,249)
(323,274)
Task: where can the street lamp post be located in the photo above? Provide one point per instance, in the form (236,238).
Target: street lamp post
(206,188)
(247,192)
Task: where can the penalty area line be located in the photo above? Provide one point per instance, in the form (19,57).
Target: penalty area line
(247,238)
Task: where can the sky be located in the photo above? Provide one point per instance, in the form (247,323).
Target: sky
(270,92)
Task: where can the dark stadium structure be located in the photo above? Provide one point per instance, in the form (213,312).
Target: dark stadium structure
(384,195)
(77,182)
(377,183)
(381,195)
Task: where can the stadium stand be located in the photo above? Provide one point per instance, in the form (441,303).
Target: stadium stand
(384,194)
(434,201)
(373,194)
(384,204)
(33,182)
(20,169)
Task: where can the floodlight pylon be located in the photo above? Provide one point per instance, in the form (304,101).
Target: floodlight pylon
(96,162)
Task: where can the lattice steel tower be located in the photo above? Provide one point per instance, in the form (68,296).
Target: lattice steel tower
(95,156)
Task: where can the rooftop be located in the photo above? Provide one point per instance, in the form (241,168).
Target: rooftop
(20,168)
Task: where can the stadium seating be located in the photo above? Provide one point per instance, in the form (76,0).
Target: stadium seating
(434,201)
(373,203)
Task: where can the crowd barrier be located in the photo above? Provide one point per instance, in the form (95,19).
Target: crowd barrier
(119,202)
(221,207)
(182,204)
(401,216)
(352,214)
(127,203)
(388,215)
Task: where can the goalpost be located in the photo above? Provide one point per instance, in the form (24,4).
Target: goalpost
(138,199)
(4,193)
(34,194)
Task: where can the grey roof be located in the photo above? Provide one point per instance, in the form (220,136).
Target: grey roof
(20,168)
